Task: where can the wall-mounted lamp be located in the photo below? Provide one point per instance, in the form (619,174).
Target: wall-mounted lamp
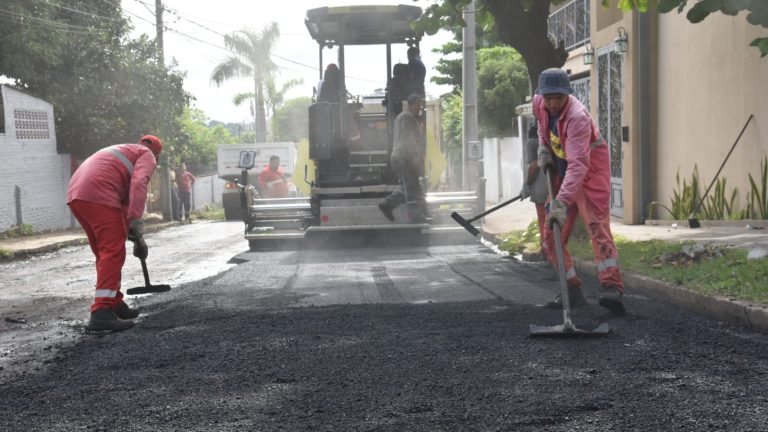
(622,41)
(589,54)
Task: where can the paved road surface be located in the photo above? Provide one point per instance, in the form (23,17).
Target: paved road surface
(390,338)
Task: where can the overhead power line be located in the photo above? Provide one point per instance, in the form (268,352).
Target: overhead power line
(89,14)
(60,26)
(57,24)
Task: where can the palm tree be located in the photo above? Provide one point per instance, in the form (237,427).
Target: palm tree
(250,58)
(275,98)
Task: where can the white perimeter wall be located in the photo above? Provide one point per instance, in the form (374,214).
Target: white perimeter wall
(30,161)
(503,168)
(207,190)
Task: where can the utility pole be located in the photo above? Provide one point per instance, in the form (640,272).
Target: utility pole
(165,174)
(469,85)
(159,27)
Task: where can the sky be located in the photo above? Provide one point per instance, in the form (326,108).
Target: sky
(194,38)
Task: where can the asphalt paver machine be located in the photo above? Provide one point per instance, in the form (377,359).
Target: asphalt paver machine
(350,139)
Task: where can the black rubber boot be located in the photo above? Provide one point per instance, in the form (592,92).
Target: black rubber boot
(575,296)
(387,211)
(123,311)
(417,211)
(107,320)
(612,299)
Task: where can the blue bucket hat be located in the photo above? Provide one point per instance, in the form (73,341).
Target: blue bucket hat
(554,81)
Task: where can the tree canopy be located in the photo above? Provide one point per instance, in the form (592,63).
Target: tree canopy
(502,81)
(450,68)
(198,147)
(292,119)
(520,24)
(104,87)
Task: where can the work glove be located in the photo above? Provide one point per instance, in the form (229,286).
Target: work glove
(544,157)
(140,249)
(136,230)
(525,192)
(558,212)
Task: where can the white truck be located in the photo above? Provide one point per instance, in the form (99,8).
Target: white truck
(228,159)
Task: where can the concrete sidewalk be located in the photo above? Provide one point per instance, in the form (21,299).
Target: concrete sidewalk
(21,247)
(741,234)
(517,216)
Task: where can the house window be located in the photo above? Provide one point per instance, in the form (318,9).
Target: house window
(570,24)
(31,124)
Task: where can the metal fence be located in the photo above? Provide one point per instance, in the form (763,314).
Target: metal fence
(570,24)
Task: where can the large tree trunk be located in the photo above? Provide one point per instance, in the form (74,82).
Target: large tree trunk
(526,31)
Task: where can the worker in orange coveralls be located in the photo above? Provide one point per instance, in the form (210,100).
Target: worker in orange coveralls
(570,145)
(107,195)
(272,182)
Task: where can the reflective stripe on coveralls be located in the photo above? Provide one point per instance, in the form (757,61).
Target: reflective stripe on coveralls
(121,157)
(105,293)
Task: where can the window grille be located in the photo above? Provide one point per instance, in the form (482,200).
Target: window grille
(570,24)
(31,124)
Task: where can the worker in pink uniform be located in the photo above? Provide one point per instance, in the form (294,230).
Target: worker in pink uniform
(107,195)
(535,188)
(272,182)
(184,181)
(570,145)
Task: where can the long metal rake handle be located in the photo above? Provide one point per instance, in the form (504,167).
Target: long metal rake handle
(698,205)
(567,323)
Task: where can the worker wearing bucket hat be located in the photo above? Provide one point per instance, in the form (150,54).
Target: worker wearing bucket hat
(107,195)
(570,144)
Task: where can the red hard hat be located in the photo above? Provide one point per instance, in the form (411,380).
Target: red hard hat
(153,143)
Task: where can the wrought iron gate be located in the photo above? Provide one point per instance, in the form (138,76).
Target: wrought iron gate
(609,109)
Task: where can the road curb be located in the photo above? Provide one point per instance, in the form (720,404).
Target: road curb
(26,253)
(747,315)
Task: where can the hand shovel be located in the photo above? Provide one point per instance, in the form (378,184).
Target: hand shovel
(148,287)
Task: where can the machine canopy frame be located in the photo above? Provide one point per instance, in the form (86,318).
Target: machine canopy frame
(363,25)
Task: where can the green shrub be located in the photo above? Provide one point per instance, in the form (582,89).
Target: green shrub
(18,231)
(717,207)
(210,212)
(758,196)
(684,197)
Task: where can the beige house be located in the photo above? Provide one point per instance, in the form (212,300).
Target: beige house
(677,98)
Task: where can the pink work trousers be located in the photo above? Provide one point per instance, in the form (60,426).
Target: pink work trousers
(598,224)
(547,241)
(105,227)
